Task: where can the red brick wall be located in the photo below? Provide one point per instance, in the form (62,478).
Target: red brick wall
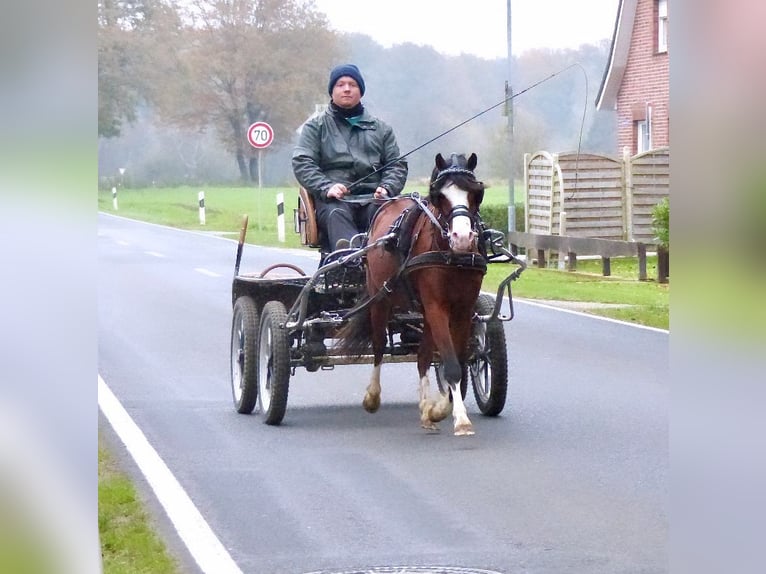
(646,81)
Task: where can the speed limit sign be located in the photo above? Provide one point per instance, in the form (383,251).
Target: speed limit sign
(260,135)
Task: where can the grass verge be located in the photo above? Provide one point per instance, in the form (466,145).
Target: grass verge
(129,544)
(620,296)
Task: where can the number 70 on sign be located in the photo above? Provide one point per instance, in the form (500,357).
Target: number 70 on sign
(260,135)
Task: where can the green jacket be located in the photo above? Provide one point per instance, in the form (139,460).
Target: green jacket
(330,150)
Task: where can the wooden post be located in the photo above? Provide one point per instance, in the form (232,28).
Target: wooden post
(572,263)
(663,265)
(606,266)
(562,232)
(627,210)
(527,156)
(641,261)
(541,258)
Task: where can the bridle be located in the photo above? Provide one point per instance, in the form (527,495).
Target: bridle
(443,222)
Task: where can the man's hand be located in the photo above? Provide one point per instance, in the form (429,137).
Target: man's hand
(337,191)
(381,193)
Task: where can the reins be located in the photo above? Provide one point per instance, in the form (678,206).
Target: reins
(415,196)
(453,128)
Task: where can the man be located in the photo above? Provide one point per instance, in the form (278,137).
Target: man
(347,145)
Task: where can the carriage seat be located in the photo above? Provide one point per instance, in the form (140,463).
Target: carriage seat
(306,220)
(308,229)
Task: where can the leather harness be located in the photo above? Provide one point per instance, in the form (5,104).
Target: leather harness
(406,229)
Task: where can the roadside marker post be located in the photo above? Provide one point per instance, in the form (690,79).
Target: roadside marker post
(281,217)
(201,200)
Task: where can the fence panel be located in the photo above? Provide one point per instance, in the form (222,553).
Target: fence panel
(603,197)
(651,183)
(539,178)
(593,195)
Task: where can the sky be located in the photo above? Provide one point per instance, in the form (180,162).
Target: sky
(478,27)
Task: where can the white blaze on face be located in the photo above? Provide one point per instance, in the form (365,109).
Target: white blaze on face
(461,232)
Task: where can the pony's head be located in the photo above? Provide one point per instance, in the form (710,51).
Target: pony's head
(457,194)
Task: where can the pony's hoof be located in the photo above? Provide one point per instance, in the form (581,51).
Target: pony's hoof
(437,414)
(429,426)
(371,404)
(464,430)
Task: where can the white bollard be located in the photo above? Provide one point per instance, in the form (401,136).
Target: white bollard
(201,199)
(114,198)
(281,217)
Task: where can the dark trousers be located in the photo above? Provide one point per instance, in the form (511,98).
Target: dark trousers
(342,220)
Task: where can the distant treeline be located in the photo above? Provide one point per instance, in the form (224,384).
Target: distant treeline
(168,116)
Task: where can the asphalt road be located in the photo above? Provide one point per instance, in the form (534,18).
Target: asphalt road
(571,477)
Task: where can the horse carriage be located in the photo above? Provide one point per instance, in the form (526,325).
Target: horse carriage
(407,291)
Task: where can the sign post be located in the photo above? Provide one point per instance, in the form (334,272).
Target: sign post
(260,135)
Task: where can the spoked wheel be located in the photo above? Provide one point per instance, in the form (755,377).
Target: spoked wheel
(273,363)
(488,362)
(244,331)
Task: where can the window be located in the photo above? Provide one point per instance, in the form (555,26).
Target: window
(643,136)
(662,25)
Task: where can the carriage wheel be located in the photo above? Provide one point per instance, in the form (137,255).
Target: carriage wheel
(244,330)
(273,363)
(488,363)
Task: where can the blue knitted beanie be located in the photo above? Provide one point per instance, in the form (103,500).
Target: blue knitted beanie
(345,70)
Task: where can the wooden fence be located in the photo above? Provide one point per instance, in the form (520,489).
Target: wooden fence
(590,204)
(595,196)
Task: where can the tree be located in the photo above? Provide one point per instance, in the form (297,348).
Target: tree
(126,57)
(244,61)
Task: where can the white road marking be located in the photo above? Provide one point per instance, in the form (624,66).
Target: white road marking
(154,253)
(206,272)
(209,553)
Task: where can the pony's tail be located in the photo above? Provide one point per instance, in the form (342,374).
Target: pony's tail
(354,337)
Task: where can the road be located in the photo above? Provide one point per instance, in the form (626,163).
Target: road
(572,477)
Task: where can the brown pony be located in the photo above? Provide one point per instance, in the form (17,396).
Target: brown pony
(432,266)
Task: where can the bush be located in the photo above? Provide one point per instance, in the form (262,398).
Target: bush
(496,216)
(661,223)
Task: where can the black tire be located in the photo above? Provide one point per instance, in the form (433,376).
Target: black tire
(273,363)
(488,361)
(244,357)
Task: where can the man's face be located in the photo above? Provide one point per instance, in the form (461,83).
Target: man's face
(346,92)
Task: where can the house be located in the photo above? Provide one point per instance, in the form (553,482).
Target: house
(636,80)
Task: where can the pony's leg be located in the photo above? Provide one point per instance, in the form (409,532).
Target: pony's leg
(462,424)
(428,418)
(378,319)
(460,330)
(371,402)
(453,372)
